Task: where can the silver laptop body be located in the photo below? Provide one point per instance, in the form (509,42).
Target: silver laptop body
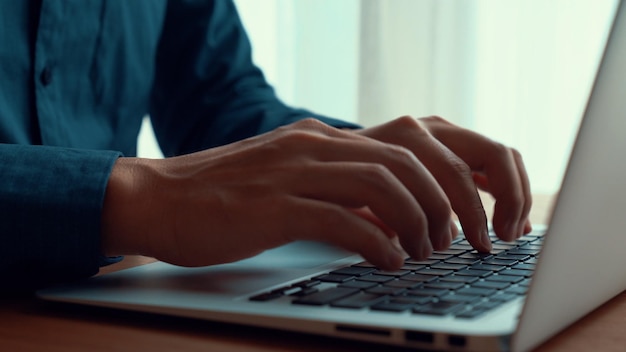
(580,266)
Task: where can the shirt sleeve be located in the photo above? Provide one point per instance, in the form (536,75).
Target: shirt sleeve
(50,214)
(207,91)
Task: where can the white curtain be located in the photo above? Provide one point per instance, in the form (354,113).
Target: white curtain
(518,71)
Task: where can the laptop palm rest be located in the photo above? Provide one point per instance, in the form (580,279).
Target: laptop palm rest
(242,278)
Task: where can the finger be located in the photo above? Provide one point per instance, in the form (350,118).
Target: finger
(455,177)
(357,185)
(508,185)
(367,214)
(450,172)
(403,165)
(503,169)
(322,221)
(524,224)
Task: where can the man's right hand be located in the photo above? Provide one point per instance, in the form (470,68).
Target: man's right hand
(305,181)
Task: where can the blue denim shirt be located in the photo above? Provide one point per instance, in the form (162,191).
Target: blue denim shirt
(76,79)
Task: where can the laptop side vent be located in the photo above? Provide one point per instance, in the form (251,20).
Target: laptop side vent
(419,336)
(362,330)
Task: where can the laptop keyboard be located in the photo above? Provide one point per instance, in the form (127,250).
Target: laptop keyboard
(459,281)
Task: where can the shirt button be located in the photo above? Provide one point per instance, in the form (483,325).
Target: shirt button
(46,76)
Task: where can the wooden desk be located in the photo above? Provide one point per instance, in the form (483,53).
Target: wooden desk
(28,324)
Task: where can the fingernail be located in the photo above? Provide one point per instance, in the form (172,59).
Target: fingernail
(485,240)
(395,257)
(511,231)
(427,248)
(520,230)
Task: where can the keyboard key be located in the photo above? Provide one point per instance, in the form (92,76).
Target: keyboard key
(326,296)
(503,297)
(524,266)
(307,283)
(476,255)
(334,278)
(430,292)
(459,246)
(288,291)
(464,261)
(413,267)
(524,251)
(457,298)
(488,267)
(531,261)
(305,291)
(396,273)
(423,262)
(361,285)
(518,257)
(470,314)
(449,266)
(504,278)
(444,285)
(353,271)
(264,297)
(375,278)
(491,284)
(439,308)
(384,290)
(487,305)
(496,261)
(518,290)
(516,272)
(502,245)
(450,251)
(477,291)
(392,306)
(435,272)
(418,278)
(413,300)
(440,256)
(358,301)
(402,284)
(459,278)
(474,273)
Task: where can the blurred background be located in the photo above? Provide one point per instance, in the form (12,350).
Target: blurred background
(518,71)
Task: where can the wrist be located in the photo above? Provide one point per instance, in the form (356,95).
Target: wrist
(123,214)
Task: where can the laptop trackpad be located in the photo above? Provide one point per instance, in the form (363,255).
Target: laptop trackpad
(296,255)
(270,268)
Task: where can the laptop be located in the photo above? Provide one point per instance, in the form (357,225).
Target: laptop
(512,299)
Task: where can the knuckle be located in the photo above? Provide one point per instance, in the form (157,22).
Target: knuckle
(375,173)
(459,167)
(412,126)
(377,179)
(501,151)
(309,123)
(298,137)
(406,120)
(401,154)
(409,123)
(516,154)
(436,119)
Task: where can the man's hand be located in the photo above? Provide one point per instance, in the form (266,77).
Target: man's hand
(362,190)
(462,160)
